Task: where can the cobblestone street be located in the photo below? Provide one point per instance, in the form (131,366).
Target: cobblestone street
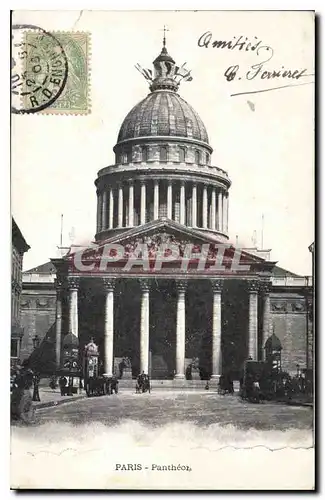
(84,443)
(164,407)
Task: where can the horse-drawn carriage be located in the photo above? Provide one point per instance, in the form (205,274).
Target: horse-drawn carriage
(263,382)
(143,383)
(226,385)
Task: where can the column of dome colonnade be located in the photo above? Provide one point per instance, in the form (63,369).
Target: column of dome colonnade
(193,203)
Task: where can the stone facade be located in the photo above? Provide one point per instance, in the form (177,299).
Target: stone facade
(38,307)
(19,247)
(293,326)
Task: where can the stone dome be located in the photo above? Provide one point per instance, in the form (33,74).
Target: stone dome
(163,113)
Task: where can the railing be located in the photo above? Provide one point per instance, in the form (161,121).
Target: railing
(38,278)
(292,281)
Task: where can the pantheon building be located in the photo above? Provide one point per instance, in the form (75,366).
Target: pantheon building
(164,189)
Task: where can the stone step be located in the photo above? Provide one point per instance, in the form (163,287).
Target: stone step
(172,384)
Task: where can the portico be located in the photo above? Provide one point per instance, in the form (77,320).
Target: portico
(167,315)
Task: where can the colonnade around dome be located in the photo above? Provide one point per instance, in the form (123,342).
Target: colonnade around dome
(136,202)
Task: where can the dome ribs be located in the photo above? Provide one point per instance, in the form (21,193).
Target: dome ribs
(180,119)
(163,123)
(155,118)
(172,120)
(139,119)
(145,124)
(163,113)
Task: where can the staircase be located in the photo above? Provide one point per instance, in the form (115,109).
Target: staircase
(170,384)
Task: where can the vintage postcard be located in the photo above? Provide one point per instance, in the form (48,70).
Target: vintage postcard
(163,250)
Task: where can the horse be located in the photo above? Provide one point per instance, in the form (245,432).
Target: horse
(143,384)
(96,386)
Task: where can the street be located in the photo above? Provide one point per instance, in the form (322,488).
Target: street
(126,441)
(164,407)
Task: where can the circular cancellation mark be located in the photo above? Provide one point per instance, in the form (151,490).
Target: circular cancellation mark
(39,69)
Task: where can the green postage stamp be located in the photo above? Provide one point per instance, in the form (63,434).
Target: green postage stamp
(56,73)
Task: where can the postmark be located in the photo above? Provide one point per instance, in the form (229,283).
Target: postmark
(39,69)
(50,72)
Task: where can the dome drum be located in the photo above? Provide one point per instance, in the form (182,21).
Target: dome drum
(163,151)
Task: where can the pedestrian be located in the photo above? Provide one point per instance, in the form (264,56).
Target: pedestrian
(36,381)
(63,384)
(114,384)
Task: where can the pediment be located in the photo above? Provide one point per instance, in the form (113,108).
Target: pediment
(170,242)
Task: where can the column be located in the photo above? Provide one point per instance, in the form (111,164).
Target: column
(194,205)
(182,203)
(266,329)
(109,285)
(98,212)
(104,210)
(120,206)
(73,305)
(226,213)
(144,326)
(205,206)
(213,208)
(58,324)
(220,211)
(111,208)
(156,200)
(224,202)
(143,203)
(131,204)
(252,320)
(169,200)
(180,330)
(216,329)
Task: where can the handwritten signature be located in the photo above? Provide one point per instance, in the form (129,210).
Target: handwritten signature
(256,71)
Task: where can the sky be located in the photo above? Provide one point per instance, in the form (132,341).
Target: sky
(264,140)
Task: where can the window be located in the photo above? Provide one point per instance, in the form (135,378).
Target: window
(144,153)
(197,157)
(163,153)
(129,156)
(14,348)
(123,157)
(207,158)
(182,155)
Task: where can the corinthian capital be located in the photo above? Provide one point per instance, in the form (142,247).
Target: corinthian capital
(108,284)
(253,286)
(265,287)
(216,285)
(73,283)
(144,284)
(181,285)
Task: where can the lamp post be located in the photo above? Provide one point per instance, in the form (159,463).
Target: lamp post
(36,377)
(36,341)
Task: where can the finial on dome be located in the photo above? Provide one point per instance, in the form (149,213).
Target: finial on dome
(164,39)
(166,75)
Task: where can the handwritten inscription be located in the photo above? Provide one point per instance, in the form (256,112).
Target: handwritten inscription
(259,70)
(238,43)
